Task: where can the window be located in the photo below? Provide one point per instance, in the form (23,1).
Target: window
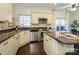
(61,24)
(25,21)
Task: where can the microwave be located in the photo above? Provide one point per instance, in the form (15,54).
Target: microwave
(42,20)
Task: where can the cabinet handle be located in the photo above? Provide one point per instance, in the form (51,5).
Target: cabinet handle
(0,53)
(5,43)
(17,38)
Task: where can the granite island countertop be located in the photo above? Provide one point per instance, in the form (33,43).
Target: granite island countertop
(62,39)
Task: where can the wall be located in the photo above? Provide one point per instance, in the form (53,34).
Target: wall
(73,15)
(35,12)
(49,16)
(38,12)
(62,14)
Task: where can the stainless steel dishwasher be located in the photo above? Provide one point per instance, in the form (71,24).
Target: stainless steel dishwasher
(33,35)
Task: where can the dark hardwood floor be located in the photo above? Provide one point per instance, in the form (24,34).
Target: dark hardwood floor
(31,49)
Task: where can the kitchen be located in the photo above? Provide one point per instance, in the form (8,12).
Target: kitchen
(39,29)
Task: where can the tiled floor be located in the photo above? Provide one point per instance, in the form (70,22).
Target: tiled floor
(32,49)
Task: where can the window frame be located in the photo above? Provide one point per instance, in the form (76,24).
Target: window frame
(61,25)
(24,15)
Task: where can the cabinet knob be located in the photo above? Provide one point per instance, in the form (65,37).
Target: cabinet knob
(16,37)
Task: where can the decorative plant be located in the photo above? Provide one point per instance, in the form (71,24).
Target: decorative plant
(74,24)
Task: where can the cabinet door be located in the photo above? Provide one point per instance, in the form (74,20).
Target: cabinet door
(15,44)
(49,45)
(27,36)
(24,37)
(2,47)
(45,42)
(17,40)
(6,49)
(52,45)
(10,46)
(46,46)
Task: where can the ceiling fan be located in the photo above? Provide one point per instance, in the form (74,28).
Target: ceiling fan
(71,7)
(74,7)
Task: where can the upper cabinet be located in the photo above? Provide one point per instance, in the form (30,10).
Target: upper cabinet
(6,12)
(45,17)
(2,20)
(7,19)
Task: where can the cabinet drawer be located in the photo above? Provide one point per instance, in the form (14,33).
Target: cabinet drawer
(3,45)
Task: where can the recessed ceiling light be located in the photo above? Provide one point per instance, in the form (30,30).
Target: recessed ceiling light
(73,9)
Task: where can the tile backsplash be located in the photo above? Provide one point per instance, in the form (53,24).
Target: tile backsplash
(4,25)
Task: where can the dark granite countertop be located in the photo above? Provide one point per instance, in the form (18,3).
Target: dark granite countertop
(60,39)
(33,28)
(6,34)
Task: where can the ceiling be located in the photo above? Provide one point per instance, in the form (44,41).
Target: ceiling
(51,6)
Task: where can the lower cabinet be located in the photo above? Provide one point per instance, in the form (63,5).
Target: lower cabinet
(24,37)
(15,43)
(6,47)
(52,47)
(10,46)
(49,45)
(46,46)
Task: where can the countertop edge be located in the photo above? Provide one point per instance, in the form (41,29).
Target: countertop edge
(59,40)
(7,38)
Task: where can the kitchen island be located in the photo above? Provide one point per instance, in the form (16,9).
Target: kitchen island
(59,43)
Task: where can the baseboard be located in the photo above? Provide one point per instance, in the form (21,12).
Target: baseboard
(45,53)
(29,43)
(23,44)
(33,41)
(36,41)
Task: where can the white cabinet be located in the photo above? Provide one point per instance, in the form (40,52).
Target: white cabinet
(6,47)
(15,43)
(10,46)
(6,10)
(53,47)
(46,45)
(24,37)
(49,45)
